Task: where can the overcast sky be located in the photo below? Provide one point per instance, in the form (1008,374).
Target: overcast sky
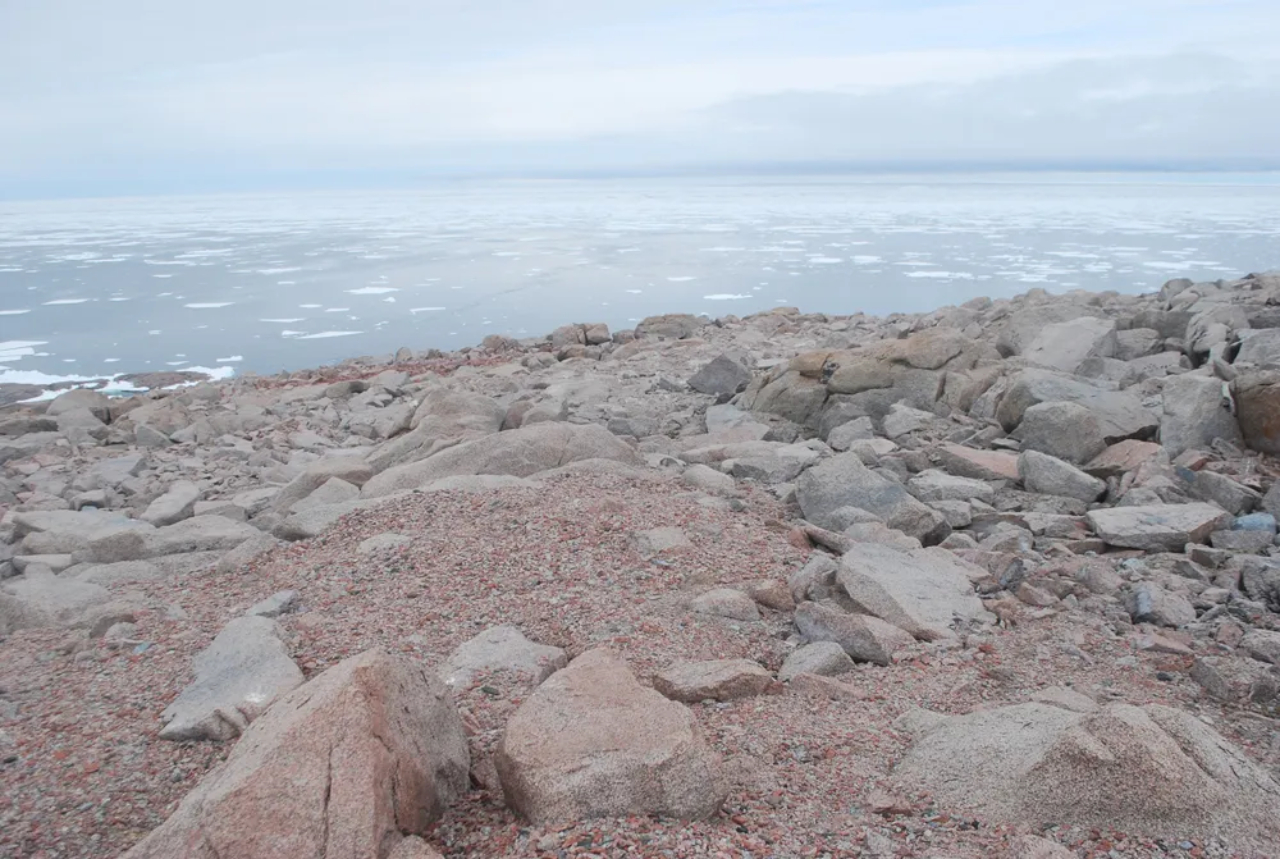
(172,94)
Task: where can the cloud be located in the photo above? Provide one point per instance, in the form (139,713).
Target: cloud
(116,92)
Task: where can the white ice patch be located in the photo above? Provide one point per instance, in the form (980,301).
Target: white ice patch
(324,335)
(310,306)
(372,290)
(682,278)
(942,275)
(16,350)
(821,260)
(58,301)
(424,309)
(337,310)
(209,305)
(13,312)
(290,321)
(232,360)
(724,296)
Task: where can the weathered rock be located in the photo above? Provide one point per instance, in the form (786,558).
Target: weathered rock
(335,490)
(46,532)
(673,326)
(1127,455)
(1068,431)
(933,485)
(726,374)
(726,602)
(246,552)
(80,399)
(843,481)
(1150,603)
(351,469)
(709,480)
(592,742)
(237,677)
(863,637)
(281,602)
(1120,413)
(1262,644)
(1260,579)
(1035,847)
(927,592)
(1158,528)
(1237,681)
(667,538)
(197,534)
(380,543)
(978,464)
(1063,345)
(821,658)
(1257,398)
(368,750)
(714,680)
(1223,491)
(1197,410)
(42,599)
(520,453)
(904,420)
(177,503)
(1049,475)
(501,649)
(1152,771)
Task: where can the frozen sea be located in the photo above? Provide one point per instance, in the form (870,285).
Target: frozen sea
(92,288)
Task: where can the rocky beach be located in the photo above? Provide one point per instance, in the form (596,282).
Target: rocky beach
(998,580)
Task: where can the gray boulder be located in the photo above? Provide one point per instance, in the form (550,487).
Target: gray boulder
(726,374)
(824,658)
(862,637)
(926,592)
(1158,527)
(501,649)
(1120,414)
(177,503)
(843,481)
(1196,410)
(1068,431)
(519,453)
(1064,345)
(1049,475)
(1153,771)
(237,677)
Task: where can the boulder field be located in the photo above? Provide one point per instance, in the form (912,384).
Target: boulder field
(1000,580)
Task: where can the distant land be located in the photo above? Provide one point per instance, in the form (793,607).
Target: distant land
(160,179)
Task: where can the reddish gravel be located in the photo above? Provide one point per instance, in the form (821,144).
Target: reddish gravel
(85,775)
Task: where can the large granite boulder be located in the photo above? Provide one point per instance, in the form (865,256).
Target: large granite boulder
(371,749)
(1257,397)
(926,592)
(1150,771)
(826,388)
(1196,410)
(592,742)
(518,453)
(1158,527)
(237,677)
(1120,413)
(843,481)
(1064,345)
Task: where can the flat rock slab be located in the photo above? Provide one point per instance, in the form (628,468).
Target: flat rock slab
(822,658)
(713,680)
(197,534)
(371,749)
(1158,527)
(237,677)
(862,637)
(39,600)
(978,464)
(843,481)
(592,742)
(177,503)
(505,649)
(926,592)
(1151,771)
(519,453)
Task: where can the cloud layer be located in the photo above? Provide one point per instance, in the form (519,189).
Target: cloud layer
(142,92)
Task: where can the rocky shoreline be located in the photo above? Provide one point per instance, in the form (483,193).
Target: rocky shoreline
(997,580)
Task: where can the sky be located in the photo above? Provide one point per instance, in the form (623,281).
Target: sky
(155,95)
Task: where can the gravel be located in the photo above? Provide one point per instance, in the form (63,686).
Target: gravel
(84,774)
